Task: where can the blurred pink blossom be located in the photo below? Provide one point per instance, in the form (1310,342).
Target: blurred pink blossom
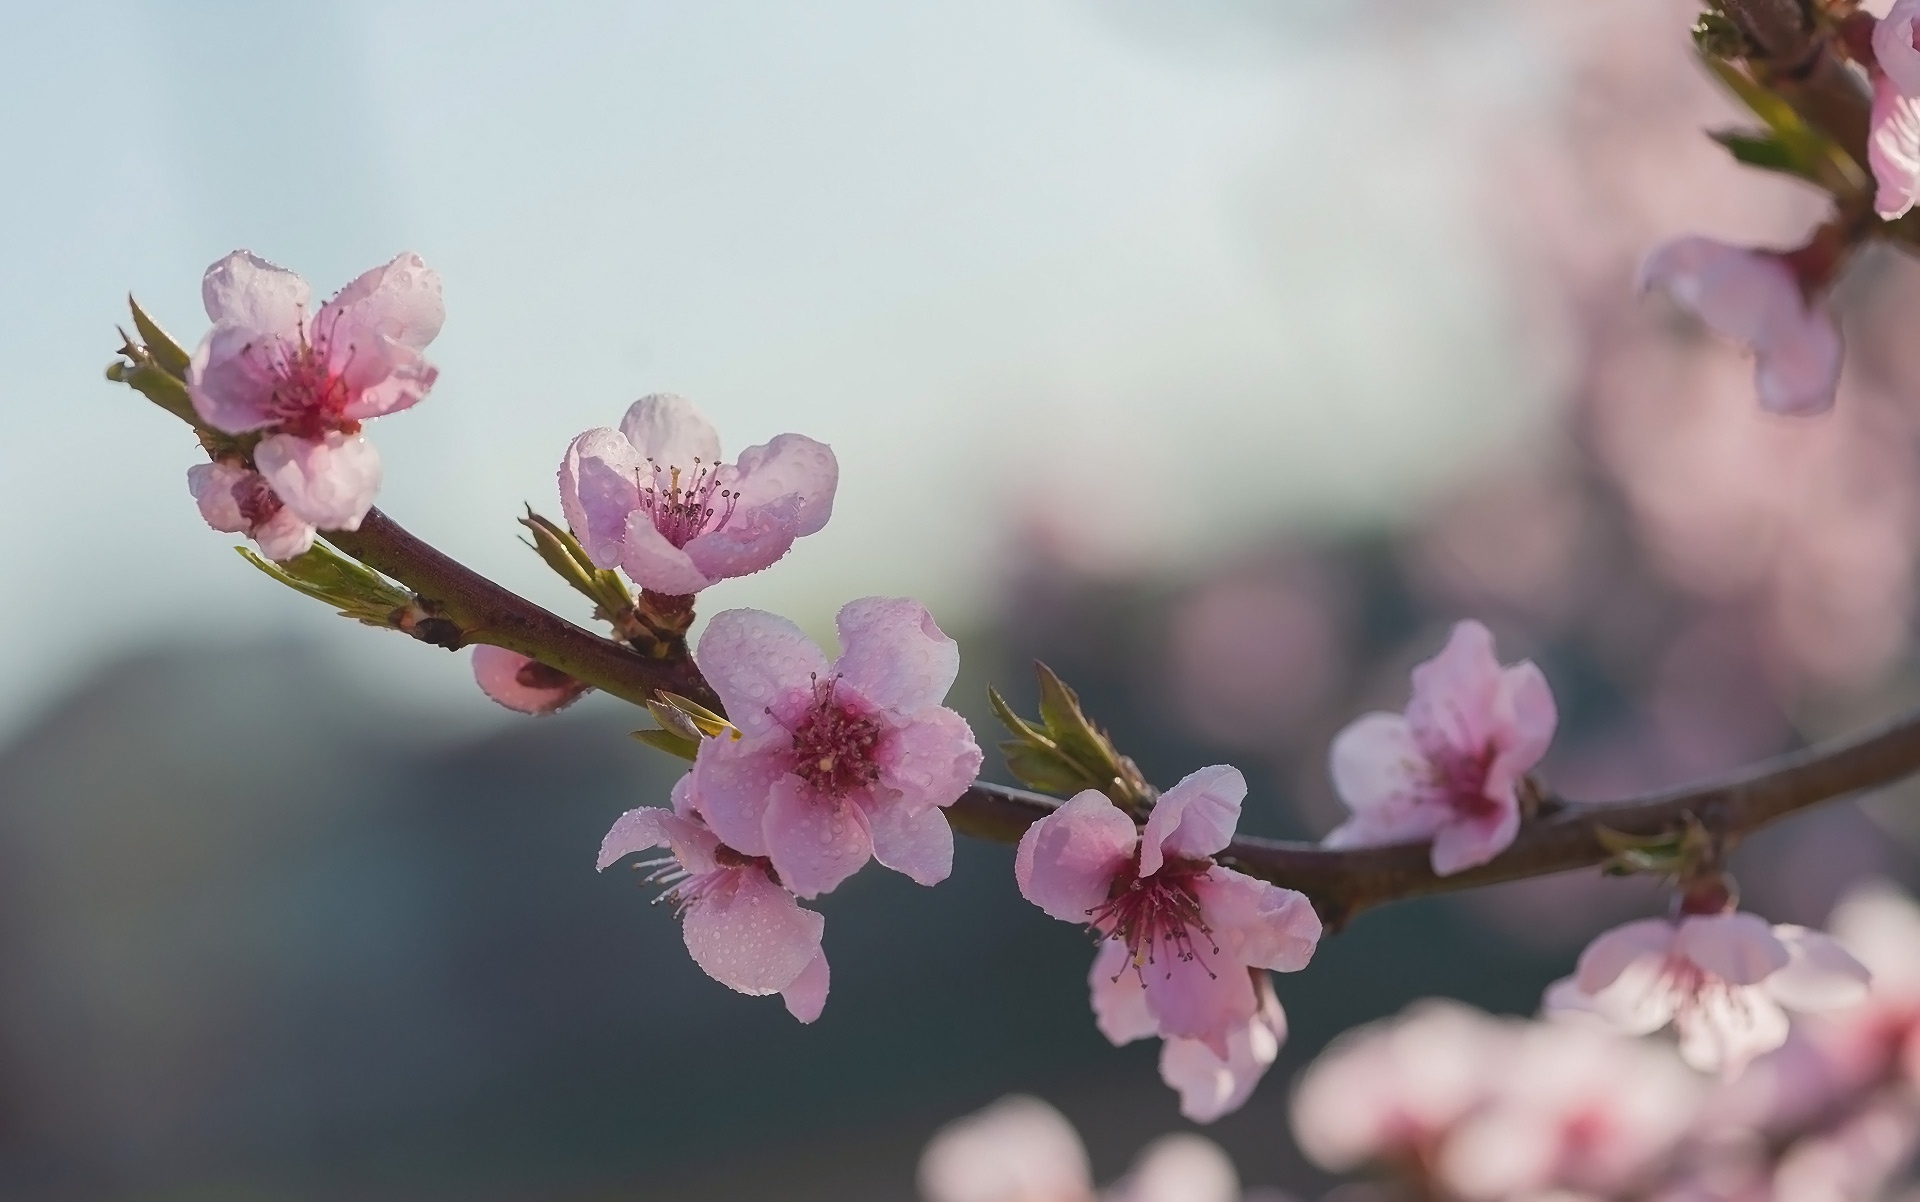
(1722,980)
(740,926)
(836,763)
(1893,149)
(1212,1085)
(1894,46)
(1179,931)
(308,384)
(523,684)
(1451,767)
(654,498)
(239,501)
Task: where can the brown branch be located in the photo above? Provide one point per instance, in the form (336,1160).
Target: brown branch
(1340,883)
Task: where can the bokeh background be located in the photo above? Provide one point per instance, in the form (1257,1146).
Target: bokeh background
(1218,352)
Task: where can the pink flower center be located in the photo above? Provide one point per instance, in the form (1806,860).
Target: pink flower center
(1461,778)
(309,399)
(686,889)
(835,745)
(256,500)
(1155,916)
(686,504)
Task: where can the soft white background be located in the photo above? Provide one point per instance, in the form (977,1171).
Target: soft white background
(1147,276)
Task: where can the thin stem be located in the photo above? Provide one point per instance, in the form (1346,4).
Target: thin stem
(1340,883)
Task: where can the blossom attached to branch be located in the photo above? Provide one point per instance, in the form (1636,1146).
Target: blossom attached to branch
(306,383)
(654,498)
(1725,982)
(836,763)
(238,500)
(1451,768)
(523,684)
(740,925)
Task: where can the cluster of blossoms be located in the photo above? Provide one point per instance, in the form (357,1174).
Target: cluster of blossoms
(1462,1105)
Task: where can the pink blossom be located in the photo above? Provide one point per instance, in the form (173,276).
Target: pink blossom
(1754,297)
(239,501)
(836,763)
(1180,931)
(1211,1085)
(1895,49)
(1720,979)
(1017,1150)
(654,498)
(1879,1039)
(1450,768)
(740,926)
(1893,149)
(523,684)
(308,383)
(1178,1168)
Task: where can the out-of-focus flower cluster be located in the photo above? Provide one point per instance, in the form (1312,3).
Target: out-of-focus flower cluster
(1457,1104)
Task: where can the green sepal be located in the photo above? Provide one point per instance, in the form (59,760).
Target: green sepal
(1766,152)
(1064,752)
(560,550)
(351,587)
(669,742)
(167,354)
(1664,854)
(138,371)
(1812,155)
(702,719)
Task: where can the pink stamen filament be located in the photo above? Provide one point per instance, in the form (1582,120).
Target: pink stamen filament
(1158,910)
(686,503)
(835,745)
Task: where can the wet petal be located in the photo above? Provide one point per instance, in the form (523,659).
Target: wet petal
(1195,818)
(892,651)
(654,826)
(399,301)
(231,379)
(258,297)
(1067,861)
(212,486)
(752,936)
(522,684)
(733,780)
(793,472)
(671,431)
(757,661)
(652,562)
(598,490)
(931,760)
(330,483)
(815,842)
(913,840)
(806,997)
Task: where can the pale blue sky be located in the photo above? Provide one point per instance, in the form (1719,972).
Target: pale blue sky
(1172,272)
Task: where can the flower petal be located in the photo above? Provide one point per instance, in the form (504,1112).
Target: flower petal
(522,684)
(930,760)
(230,379)
(1182,1168)
(246,291)
(806,997)
(911,839)
(1456,694)
(1893,46)
(1615,951)
(1195,818)
(1739,948)
(1893,149)
(757,661)
(1375,764)
(1015,1150)
(733,779)
(1528,718)
(791,466)
(330,483)
(1822,975)
(670,431)
(814,841)
(1212,1084)
(1472,839)
(1256,923)
(893,653)
(599,488)
(1118,996)
(284,536)
(1199,995)
(654,826)
(212,486)
(750,935)
(750,542)
(1068,860)
(655,563)
(399,301)
(1726,1028)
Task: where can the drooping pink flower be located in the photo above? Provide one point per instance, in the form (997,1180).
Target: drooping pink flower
(1893,148)
(1895,50)
(1722,980)
(836,763)
(654,498)
(740,926)
(1182,929)
(523,684)
(1450,768)
(1754,298)
(308,382)
(239,501)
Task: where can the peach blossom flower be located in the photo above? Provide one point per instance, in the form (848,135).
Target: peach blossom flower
(239,501)
(523,684)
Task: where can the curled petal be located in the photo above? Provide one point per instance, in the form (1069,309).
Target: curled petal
(330,483)
(653,826)
(1821,974)
(1195,818)
(382,377)
(670,431)
(894,654)
(750,542)
(1632,945)
(655,563)
(814,841)
(929,761)
(1893,149)
(793,472)
(1471,840)
(1456,694)
(913,840)
(1739,948)
(1256,923)
(806,997)
(212,486)
(733,780)
(231,381)
(246,291)
(1118,997)
(522,684)
(599,488)
(759,662)
(398,301)
(751,936)
(1068,860)
(1528,717)
(1377,765)
(1200,996)
(1212,1083)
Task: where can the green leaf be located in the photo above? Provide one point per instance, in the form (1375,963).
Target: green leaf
(143,376)
(1808,153)
(351,587)
(562,552)
(669,742)
(1064,752)
(1067,724)
(1045,769)
(167,354)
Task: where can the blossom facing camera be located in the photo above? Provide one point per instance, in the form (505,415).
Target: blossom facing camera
(740,926)
(654,498)
(1755,298)
(237,500)
(523,684)
(836,763)
(1450,768)
(1724,981)
(308,381)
